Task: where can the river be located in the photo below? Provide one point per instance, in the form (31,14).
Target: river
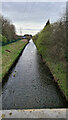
(30,85)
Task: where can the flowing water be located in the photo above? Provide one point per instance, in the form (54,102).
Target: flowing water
(30,85)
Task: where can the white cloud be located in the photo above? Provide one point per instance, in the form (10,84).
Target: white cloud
(29,28)
(32,16)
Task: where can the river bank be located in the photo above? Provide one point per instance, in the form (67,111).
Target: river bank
(31,85)
(51,46)
(10,56)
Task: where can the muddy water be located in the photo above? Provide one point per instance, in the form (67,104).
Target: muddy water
(30,84)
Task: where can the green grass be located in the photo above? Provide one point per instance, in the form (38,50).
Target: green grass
(9,54)
(59,74)
(50,43)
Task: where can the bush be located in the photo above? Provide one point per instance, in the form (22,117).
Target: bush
(3,39)
(0,38)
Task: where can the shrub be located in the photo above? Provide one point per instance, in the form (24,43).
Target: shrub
(3,39)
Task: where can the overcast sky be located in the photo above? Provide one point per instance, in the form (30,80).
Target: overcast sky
(31,17)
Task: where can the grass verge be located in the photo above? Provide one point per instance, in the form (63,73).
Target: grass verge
(50,43)
(9,55)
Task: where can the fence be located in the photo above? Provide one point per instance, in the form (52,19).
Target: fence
(6,43)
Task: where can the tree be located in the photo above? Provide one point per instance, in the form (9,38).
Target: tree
(48,22)
(8,29)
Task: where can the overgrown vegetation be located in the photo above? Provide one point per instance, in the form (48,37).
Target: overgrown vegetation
(51,43)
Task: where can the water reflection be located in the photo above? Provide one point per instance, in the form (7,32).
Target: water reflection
(30,85)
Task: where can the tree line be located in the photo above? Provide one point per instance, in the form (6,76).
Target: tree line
(7,31)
